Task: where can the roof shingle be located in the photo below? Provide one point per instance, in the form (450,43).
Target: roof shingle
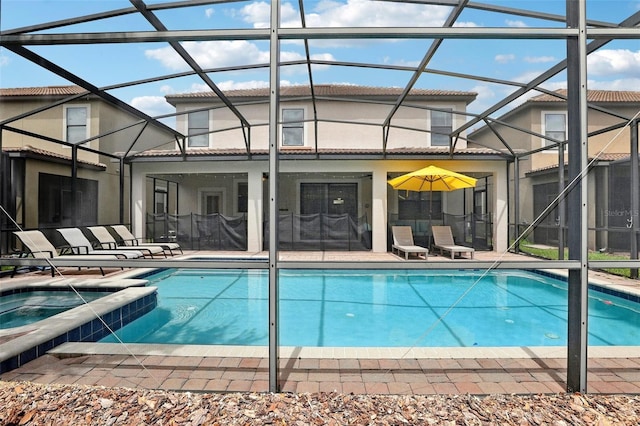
(602,96)
(326,90)
(43,91)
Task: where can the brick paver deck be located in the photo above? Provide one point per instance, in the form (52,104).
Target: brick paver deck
(212,374)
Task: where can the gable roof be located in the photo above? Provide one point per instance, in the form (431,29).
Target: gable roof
(42,91)
(327,90)
(595,96)
(35,153)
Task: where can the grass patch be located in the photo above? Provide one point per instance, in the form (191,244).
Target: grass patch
(552,254)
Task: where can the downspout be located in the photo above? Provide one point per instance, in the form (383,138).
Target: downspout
(635,196)
(560,220)
(516,200)
(121,176)
(74,186)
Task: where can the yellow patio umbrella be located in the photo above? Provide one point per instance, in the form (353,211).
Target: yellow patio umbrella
(432,178)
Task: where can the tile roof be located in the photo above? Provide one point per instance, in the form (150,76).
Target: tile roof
(304,152)
(326,90)
(43,91)
(594,96)
(613,156)
(28,149)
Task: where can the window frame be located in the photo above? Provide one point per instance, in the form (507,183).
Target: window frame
(544,143)
(447,129)
(66,125)
(294,124)
(199,131)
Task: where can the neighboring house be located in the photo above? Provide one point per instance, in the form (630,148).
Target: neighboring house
(38,134)
(335,159)
(533,130)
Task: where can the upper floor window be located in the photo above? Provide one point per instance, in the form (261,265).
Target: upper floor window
(76,123)
(441,127)
(293,127)
(555,127)
(198,129)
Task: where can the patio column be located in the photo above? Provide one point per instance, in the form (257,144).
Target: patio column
(254,211)
(501,214)
(379,210)
(138,203)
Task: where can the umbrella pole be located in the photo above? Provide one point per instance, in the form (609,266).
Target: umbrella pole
(430,214)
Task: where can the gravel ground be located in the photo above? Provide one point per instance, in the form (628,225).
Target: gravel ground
(36,404)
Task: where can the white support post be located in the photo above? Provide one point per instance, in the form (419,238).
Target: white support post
(379,189)
(254,211)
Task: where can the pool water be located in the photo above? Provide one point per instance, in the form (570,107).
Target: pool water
(375,308)
(25,308)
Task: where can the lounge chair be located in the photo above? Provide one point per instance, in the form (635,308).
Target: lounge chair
(130,240)
(39,246)
(106,240)
(443,241)
(78,243)
(403,242)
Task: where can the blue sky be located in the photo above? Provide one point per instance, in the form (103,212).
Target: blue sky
(615,67)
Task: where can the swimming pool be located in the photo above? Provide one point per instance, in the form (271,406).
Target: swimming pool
(27,307)
(375,308)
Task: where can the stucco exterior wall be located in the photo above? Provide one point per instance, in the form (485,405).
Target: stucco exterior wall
(409,125)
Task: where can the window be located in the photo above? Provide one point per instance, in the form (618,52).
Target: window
(58,208)
(76,123)
(414,205)
(441,127)
(555,128)
(243,197)
(198,123)
(293,127)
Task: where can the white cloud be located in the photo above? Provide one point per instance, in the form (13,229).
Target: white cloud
(515,24)
(619,61)
(353,13)
(209,12)
(214,54)
(527,76)
(620,84)
(505,58)
(152,105)
(236,85)
(4,60)
(211,54)
(486,97)
(539,59)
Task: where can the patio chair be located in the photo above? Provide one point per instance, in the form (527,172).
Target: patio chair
(39,246)
(106,240)
(443,241)
(403,242)
(78,243)
(130,240)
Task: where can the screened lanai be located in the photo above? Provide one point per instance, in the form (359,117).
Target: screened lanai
(147,112)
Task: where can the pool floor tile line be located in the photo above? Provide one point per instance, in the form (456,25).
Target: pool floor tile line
(358,376)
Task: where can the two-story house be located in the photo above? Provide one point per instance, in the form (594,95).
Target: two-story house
(58,167)
(537,131)
(335,157)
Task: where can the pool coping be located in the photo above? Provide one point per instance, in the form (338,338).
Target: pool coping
(287,352)
(25,343)
(131,278)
